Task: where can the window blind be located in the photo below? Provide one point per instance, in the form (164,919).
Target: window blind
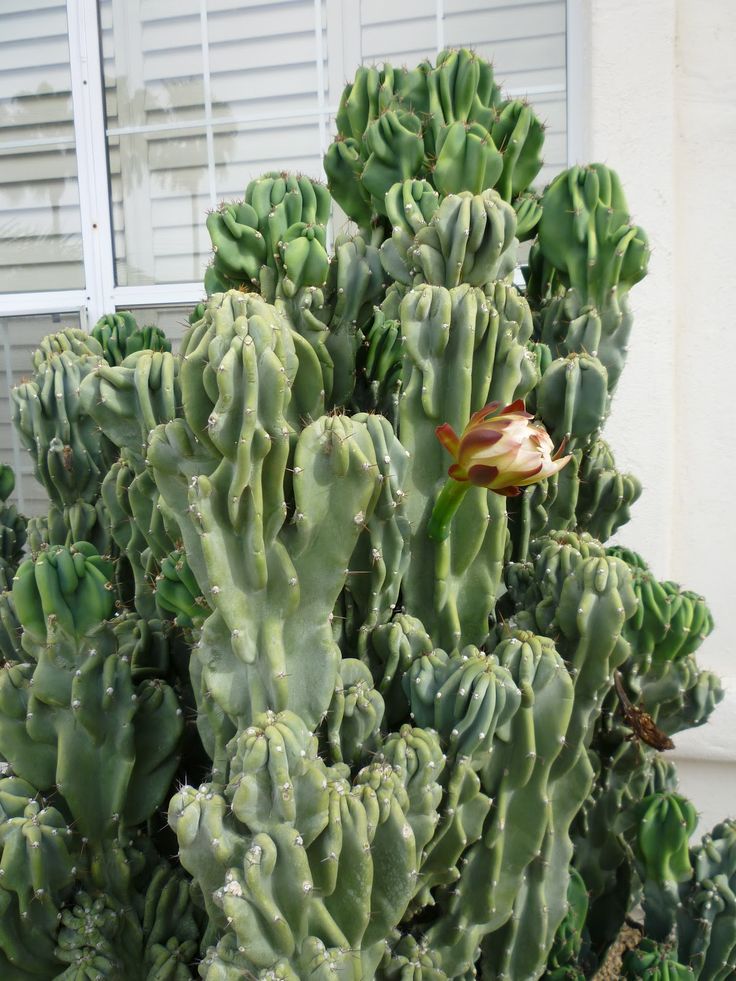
(40,231)
(200,99)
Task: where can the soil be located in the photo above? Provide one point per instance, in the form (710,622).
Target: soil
(611,969)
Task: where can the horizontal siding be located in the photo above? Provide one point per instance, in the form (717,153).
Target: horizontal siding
(552,110)
(404,35)
(516,7)
(384,12)
(470,23)
(18,23)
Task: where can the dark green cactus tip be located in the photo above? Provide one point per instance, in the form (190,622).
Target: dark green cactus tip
(443,124)
(273,240)
(178,593)
(567,954)
(7,481)
(70,341)
(355,715)
(469,238)
(586,234)
(119,335)
(652,961)
(198,312)
(13,530)
(64,588)
(665,823)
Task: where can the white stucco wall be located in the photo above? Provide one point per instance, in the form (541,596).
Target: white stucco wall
(657,101)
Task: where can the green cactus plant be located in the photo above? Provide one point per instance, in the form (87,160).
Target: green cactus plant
(86,721)
(654,962)
(324,555)
(119,335)
(13,529)
(706,915)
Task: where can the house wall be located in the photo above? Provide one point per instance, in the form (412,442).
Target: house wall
(659,105)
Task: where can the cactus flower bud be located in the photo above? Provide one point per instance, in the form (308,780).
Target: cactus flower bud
(500,449)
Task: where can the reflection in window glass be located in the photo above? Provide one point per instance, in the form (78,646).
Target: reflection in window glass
(19,337)
(245,153)
(40,225)
(160,199)
(200,99)
(402,34)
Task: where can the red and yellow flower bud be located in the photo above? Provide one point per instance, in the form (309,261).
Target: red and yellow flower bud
(501,449)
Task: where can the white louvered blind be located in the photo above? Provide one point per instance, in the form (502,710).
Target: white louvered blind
(40,231)
(200,99)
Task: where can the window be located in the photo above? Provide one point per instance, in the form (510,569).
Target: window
(123,121)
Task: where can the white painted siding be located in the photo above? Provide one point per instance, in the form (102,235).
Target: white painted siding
(661,82)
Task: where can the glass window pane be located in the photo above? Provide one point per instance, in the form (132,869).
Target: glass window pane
(40,224)
(152,62)
(200,101)
(245,153)
(160,198)
(19,337)
(263,58)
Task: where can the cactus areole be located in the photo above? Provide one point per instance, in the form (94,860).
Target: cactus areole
(281,697)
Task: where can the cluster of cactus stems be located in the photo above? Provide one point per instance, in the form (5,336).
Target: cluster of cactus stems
(377,751)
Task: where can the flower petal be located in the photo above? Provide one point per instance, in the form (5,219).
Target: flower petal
(561,450)
(507,491)
(482,476)
(517,407)
(531,475)
(457,472)
(487,410)
(480,438)
(448,437)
